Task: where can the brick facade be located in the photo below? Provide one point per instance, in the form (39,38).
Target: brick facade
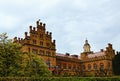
(89,63)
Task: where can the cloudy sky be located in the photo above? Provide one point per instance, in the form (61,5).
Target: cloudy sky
(70,21)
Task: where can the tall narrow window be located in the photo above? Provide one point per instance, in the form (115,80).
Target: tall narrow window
(89,67)
(64,66)
(95,66)
(41,43)
(101,66)
(59,66)
(34,41)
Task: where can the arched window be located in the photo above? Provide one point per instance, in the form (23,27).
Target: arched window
(101,66)
(89,67)
(95,66)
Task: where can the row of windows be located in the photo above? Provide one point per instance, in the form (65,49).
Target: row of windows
(41,36)
(64,66)
(41,43)
(42,52)
(95,66)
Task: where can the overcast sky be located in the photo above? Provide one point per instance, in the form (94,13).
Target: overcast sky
(70,21)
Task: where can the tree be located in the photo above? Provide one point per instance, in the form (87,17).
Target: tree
(116,64)
(35,66)
(15,63)
(10,56)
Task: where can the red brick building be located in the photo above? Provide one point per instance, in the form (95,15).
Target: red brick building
(89,63)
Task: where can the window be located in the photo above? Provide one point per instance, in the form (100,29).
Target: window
(41,36)
(64,66)
(41,52)
(101,66)
(41,43)
(95,66)
(59,66)
(35,51)
(48,53)
(34,41)
(48,63)
(89,67)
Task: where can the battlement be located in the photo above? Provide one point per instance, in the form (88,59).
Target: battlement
(18,40)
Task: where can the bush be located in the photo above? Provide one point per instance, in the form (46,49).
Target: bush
(60,79)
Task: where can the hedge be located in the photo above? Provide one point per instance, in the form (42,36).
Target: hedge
(60,79)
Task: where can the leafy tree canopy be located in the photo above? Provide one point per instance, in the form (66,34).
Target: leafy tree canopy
(15,63)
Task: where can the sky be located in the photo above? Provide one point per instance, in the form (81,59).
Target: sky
(70,21)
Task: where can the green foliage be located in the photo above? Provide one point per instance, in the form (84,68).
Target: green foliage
(14,63)
(35,66)
(60,79)
(10,57)
(116,64)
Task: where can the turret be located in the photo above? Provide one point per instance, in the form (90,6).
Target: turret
(44,26)
(15,40)
(30,28)
(25,35)
(86,46)
(54,41)
(37,23)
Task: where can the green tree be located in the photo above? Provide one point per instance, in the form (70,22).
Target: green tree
(116,64)
(35,66)
(10,56)
(15,63)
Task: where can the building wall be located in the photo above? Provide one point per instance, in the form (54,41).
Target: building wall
(68,66)
(39,41)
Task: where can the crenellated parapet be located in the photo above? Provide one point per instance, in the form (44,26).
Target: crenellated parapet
(37,36)
(18,40)
(110,52)
(40,26)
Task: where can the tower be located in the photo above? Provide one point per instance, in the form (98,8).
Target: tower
(86,46)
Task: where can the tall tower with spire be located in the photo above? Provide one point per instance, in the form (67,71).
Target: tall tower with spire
(86,46)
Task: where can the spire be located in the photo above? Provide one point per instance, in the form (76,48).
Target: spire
(86,46)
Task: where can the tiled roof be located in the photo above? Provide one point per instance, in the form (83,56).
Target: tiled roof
(64,55)
(96,54)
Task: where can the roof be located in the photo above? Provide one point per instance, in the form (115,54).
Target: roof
(68,56)
(96,54)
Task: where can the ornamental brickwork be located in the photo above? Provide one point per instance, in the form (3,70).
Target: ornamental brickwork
(89,63)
